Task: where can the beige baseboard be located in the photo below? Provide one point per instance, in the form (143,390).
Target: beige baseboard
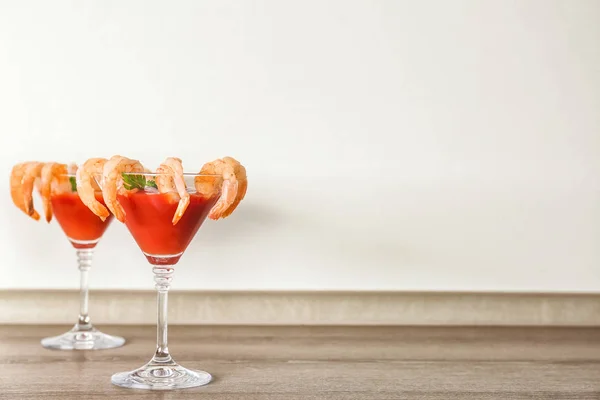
(311,308)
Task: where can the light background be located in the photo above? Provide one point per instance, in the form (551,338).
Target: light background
(390,145)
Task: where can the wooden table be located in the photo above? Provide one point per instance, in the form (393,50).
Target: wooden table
(309,363)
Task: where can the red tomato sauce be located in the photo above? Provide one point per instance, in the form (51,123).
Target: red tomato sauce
(149,219)
(77,221)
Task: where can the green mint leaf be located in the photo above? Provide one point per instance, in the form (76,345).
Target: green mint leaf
(151,184)
(131,182)
(73,182)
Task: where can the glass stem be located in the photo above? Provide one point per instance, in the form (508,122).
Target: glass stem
(84,259)
(162,277)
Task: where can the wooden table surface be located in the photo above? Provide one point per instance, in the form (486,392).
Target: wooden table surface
(370,363)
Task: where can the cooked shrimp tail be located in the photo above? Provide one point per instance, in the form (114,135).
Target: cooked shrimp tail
(50,172)
(171,179)
(111,178)
(87,186)
(240,174)
(16,188)
(222,174)
(32,173)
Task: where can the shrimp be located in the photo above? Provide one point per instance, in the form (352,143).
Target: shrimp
(32,173)
(208,185)
(240,174)
(72,168)
(171,178)
(87,186)
(16,189)
(50,171)
(111,177)
(210,182)
(62,183)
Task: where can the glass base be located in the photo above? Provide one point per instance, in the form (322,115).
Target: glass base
(77,339)
(161,376)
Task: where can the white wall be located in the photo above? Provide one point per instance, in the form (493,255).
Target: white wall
(436,145)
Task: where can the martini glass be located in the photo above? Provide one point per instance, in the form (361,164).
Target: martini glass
(148,218)
(83,229)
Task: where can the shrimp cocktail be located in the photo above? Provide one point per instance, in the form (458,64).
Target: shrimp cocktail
(64,199)
(163,210)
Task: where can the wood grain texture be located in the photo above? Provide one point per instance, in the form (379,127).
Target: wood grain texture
(318,363)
